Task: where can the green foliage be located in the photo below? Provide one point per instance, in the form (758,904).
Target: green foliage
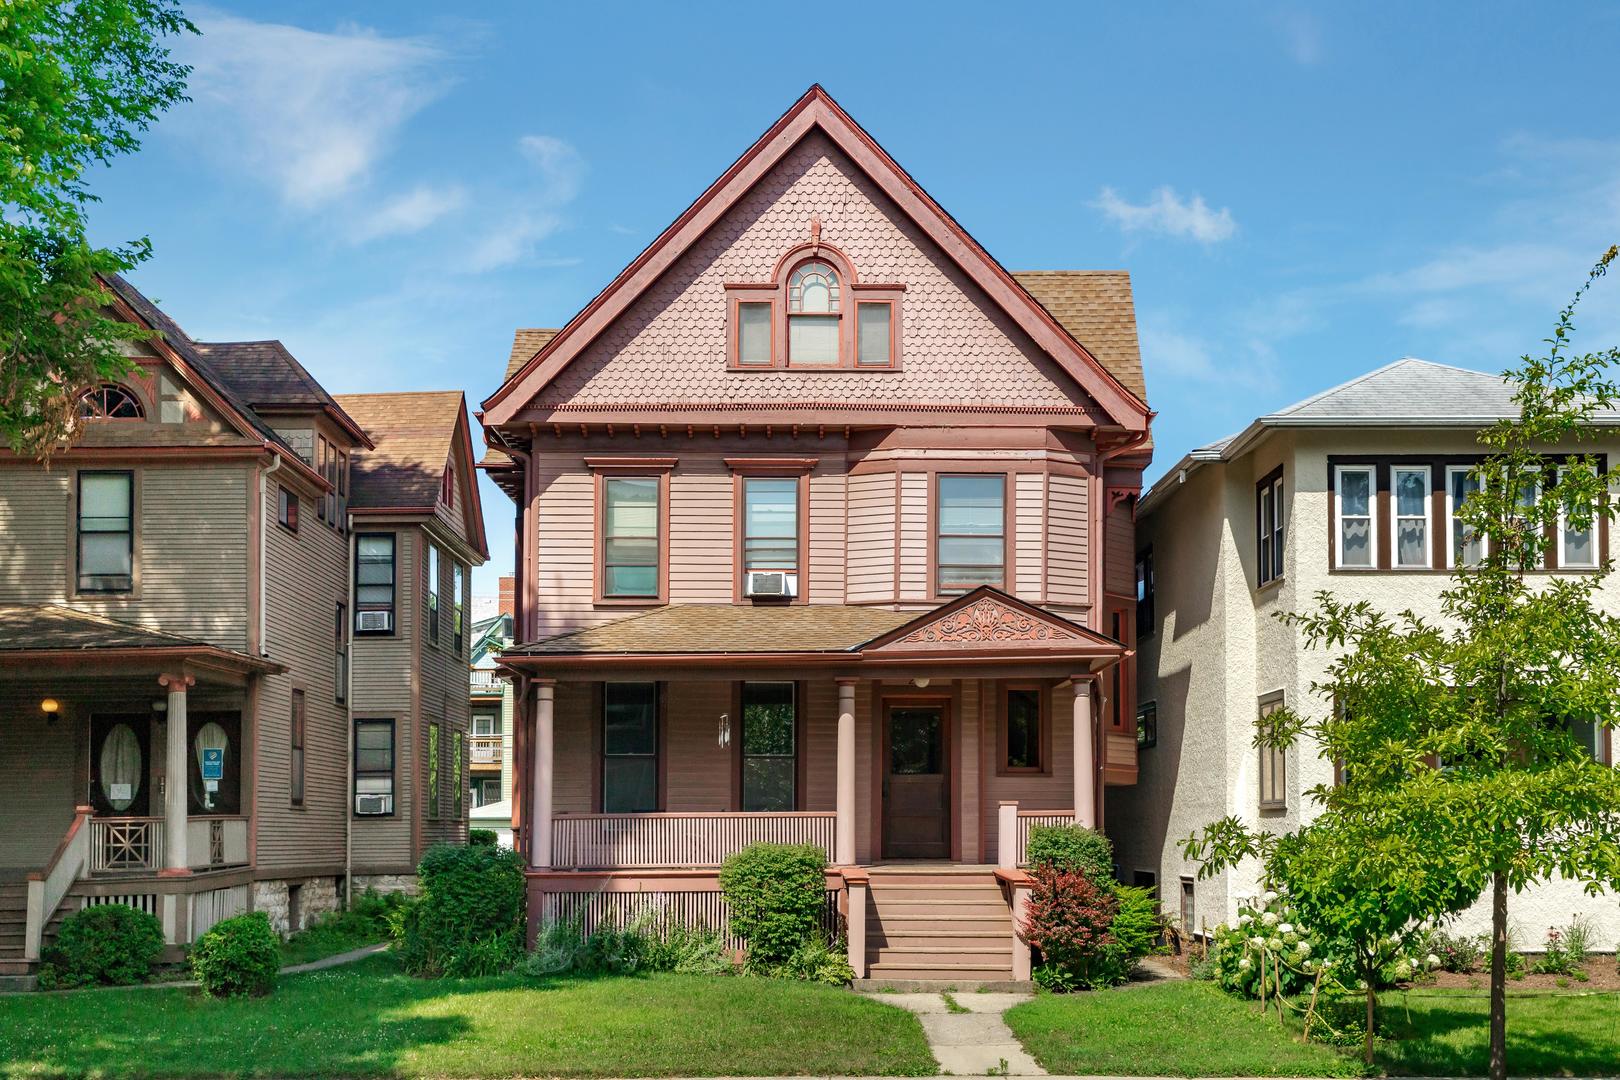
(561,947)
(1138,928)
(368,920)
(105,945)
(79,82)
(1565,950)
(1072,849)
(776,893)
(469,915)
(818,961)
(482,838)
(1458,953)
(237,956)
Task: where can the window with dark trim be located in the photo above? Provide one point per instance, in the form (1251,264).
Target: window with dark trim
(435,775)
(106,532)
(1577,547)
(1464,547)
(457,755)
(1144,592)
(109,401)
(296,756)
(1269,527)
(1413,507)
(1273,762)
(374,767)
(1147,725)
(971,542)
(324,468)
(630,541)
(458,582)
(340,654)
(287,509)
(770,747)
(374,583)
(629,748)
(1023,723)
(430,591)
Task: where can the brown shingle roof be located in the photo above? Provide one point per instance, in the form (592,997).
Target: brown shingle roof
(724,628)
(1095,307)
(414,433)
(27,629)
(525,343)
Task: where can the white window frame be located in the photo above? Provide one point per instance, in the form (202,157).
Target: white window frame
(1339,472)
(1592,529)
(1535,500)
(1451,517)
(1396,517)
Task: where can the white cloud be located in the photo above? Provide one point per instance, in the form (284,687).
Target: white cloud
(1168,214)
(309,112)
(1185,357)
(558,172)
(559,164)
(409,213)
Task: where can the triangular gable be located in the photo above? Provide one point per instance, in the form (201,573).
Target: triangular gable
(467,477)
(817,111)
(989,619)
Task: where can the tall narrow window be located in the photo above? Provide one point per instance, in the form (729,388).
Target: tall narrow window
(431,592)
(1189,923)
(456,757)
(296,756)
(813,314)
(769,747)
(971,546)
(1357,535)
(323,449)
(1023,725)
(106,530)
(874,334)
(1577,546)
(343,492)
(340,653)
(287,509)
(629,748)
(1412,504)
(458,582)
(434,776)
(1269,528)
(1147,725)
(1534,553)
(329,498)
(754,334)
(1466,547)
(374,583)
(1273,762)
(770,538)
(373,767)
(1144,592)
(630,541)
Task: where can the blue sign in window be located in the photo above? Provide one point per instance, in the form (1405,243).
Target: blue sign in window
(213,763)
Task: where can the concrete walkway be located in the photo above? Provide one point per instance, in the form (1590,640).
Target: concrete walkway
(180,984)
(334,961)
(972,1043)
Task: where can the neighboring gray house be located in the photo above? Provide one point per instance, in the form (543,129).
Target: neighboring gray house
(1352,491)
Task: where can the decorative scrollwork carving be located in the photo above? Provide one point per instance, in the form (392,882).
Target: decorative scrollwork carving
(986,620)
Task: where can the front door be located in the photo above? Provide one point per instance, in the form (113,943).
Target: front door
(916,814)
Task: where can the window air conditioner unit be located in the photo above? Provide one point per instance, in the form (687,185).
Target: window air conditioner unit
(770,583)
(376,620)
(373,804)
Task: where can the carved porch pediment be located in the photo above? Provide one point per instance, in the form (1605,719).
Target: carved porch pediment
(990,619)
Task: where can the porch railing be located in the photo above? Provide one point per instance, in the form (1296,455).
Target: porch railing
(46,889)
(1013,829)
(486,750)
(484,681)
(135,844)
(664,841)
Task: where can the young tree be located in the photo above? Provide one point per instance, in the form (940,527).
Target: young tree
(79,81)
(1465,744)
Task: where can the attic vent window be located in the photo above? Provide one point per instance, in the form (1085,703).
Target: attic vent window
(110,402)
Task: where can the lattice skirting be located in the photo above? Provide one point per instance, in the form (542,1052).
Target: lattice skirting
(147,902)
(208,908)
(705,910)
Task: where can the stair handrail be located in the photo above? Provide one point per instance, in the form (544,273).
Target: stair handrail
(47,888)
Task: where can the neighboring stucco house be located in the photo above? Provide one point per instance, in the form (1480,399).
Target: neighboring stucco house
(825,536)
(1352,491)
(176,603)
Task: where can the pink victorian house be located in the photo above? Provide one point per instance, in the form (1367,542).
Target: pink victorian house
(825,535)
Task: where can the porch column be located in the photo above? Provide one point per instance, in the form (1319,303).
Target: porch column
(545,693)
(844,833)
(1085,762)
(175,859)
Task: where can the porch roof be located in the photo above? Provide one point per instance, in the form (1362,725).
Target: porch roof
(32,634)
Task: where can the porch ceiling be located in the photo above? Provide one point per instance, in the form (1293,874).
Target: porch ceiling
(44,635)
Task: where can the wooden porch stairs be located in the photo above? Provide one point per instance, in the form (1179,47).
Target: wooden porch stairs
(17,973)
(942,925)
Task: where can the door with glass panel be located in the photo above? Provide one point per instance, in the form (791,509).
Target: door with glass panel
(916,817)
(120,764)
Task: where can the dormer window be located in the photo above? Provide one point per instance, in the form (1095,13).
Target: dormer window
(813,315)
(798,318)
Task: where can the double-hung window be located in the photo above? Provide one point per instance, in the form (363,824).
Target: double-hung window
(770,525)
(373,767)
(374,583)
(1356,538)
(630,540)
(769,747)
(1464,546)
(874,334)
(1269,528)
(1273,760)
(629,748)
(1412,504)
(458,581)
(1577,546)
(458,741)
(296,749)
(340,654)
(431,592)
(106,547)
(813,315)
(287,509)
(970,548)
(754,331)
(435,776)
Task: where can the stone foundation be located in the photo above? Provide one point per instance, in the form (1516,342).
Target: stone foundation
(385,883)
(315,898)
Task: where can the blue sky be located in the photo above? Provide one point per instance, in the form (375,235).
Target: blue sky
(1301,192)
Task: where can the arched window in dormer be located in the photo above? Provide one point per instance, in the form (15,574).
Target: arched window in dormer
(110,401)
(813,314)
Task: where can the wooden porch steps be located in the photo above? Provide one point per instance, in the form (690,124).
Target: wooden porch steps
(937,925)
(17,973)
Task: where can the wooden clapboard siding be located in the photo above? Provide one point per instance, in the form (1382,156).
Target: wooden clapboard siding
(565,523)
(914,535)
(818,742)
(384,674)
(444,701)
(702,527)
(871,560)
(575,740)
(1029,536)
(1067,540)
(697,768)
(41,783)
(966,727)
(827,547)
(1119,550)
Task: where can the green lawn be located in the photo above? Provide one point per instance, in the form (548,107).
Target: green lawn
(327,939)
(369,1019)
(1434,1032)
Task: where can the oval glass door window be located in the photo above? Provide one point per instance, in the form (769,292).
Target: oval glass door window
(210,767)
(121,767)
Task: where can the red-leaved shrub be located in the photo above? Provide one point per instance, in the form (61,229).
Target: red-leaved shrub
(1068,924)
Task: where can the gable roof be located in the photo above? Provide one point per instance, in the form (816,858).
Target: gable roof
(525,343)
(33,633)
(1096,308)
(414,434)
(816,110)
(267,377)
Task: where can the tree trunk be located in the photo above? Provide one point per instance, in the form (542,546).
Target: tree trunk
(1366,1050)
(1499,942)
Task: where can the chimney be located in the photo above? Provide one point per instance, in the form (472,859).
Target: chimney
(508,595)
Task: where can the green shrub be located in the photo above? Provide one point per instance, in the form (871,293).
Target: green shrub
(562,947)
(237,956)
(1460,953)
(818,961)
(367,921)
(106,945)
(482,838)
(1072,849)
(468,918)
(776,893)
(689,950)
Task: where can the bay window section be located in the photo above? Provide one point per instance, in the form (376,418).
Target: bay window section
(106,532)
(629,748)
(1466,547)
(1356,535)
(769,747)
(770,538)
(1412,517)
(970,549)
(630,541)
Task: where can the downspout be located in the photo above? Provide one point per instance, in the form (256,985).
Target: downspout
(264,580)
(348,716)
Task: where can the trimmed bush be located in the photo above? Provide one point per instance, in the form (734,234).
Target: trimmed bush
(1072,849)
(468,918)
(482,838)
(105,945)
(562,947)
(237,956)
(776,893)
